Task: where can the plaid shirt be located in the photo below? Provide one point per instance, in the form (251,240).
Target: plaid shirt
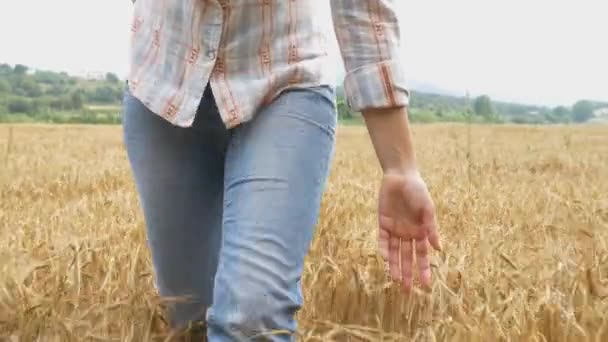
(251,50)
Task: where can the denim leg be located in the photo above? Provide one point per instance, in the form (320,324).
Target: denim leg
(179,175)
(276,169)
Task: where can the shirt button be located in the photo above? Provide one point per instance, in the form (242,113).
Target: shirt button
(211,55)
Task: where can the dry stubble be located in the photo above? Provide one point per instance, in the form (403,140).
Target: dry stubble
(523,212)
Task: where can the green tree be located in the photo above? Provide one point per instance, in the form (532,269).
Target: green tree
(561,114)
(19,105)
(439,113)
(77,100)
(582,111)
(20,69)
(343,111)
(47,77)
(56,90)
(5,86)
(105,94)
(483,106)
(112,78)
(42,104)
(31,88)
(5,69)
(561,111)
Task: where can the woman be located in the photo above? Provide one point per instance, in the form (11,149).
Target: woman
(229,124)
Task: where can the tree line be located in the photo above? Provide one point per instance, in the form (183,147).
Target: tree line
(428,107)
(41,95)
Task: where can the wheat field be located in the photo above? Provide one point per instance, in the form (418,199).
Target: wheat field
(523,212)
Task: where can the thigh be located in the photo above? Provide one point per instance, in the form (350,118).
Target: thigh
(276,169)
(179,178)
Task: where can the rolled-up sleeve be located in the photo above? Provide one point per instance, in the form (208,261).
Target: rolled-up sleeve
(369,39)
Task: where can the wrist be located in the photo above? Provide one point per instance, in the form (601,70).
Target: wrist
(405,169)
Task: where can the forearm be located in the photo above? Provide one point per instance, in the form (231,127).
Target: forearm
(375,81)
(389,130)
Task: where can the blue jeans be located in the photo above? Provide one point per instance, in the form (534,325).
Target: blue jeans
(230,214)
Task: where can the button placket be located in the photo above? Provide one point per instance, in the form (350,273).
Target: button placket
(212,36)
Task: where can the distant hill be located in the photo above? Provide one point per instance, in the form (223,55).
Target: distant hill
(429,88)
(48,96)
(427,100)
(431,103)
(432,97)
(38,95)
(582,111)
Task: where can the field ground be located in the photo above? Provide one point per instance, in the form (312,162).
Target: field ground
(523,212)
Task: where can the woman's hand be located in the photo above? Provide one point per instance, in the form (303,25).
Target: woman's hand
(406,212)
(407,223)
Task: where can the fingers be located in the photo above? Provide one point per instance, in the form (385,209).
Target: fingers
(386,223)
(422,259)
(430,226)
(393,260)
(398,240)
(434,238)
(383,243)
(406,265)
(401,261)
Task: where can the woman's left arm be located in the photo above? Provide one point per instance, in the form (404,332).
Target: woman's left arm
(368,36)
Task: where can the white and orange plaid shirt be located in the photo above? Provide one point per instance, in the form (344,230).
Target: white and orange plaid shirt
(251,50)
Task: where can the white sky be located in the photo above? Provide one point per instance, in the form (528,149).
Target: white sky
(536,51)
